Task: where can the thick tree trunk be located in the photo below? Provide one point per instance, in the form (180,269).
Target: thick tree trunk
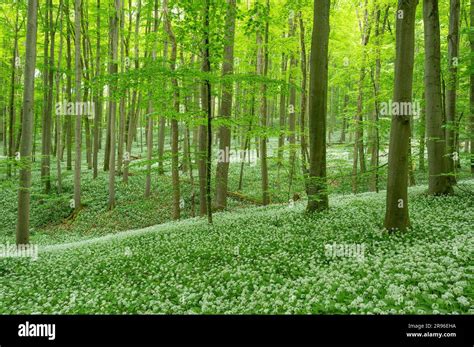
(317,185)
(22,230)
(437,163)
(396,214)
(451,85)
(222,173)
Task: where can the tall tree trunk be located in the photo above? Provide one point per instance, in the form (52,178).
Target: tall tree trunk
(422,140)
(11,107)
(113,69)
(207,68)
(98,100)
(203,130)
(317,184)
(282,110)
(222,172)
(451,85)
(359,155)
(471,39)
(47,121)
(22,229)
(437,163)
(304,146)
(58,116)
(121,136)
(78,132)
(174,121)
(262,69)
(374,129)
(133,115)
(292,111)
(396,214)
(68,91)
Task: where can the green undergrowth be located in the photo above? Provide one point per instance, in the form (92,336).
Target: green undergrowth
(264,260)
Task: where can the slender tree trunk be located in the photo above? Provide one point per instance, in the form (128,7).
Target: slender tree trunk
(396,215)
(203,130)
(12,109)
(471,39)
(46,120)
(317,185)
(359,155)
(262,67)
(174,121)
(113,69)
(22,230)
(207,68)
(78,132)
(133,115)
(149,128)
(374,129)
(58,116)
(422,140)
(282,120)
(121,136)
(304,146)
(98,100)
(344,119)
(292,112)
(68,91)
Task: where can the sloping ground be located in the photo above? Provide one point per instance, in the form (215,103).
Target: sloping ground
(262,260)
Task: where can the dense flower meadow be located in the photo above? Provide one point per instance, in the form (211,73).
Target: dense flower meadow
(263,260)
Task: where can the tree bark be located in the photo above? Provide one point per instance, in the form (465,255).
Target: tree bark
(174,121)
(22,230)
(471,95)
(78,132)
(437,163)
(451,85)
(396,214)
(317,184)
(222,173)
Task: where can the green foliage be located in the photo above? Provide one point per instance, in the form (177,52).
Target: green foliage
(261,260)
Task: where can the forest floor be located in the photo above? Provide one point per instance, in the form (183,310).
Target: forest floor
(274,259)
